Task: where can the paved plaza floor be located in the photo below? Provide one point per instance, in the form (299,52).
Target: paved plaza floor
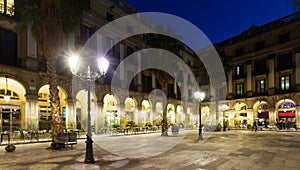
(221,150)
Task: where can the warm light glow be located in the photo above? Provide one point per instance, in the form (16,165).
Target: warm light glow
(199,95)
(7,98)
(103,65)
(73,62)
(284,109)
(259,110)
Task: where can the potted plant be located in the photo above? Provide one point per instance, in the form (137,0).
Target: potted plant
(116,125)
(148,124)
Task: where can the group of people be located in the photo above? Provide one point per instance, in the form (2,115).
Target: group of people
(283,125)
(261,124)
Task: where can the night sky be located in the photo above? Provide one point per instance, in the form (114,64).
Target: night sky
(219,19)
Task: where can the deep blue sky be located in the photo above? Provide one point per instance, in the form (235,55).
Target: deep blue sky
(219,19)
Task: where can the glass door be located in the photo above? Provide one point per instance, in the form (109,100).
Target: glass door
(10,116)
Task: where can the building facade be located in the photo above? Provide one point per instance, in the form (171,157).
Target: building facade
(23,78)
(263,82)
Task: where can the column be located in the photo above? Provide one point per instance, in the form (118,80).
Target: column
(271,76)
(249,78)
(153,81)
(184,92)
(122,70)
(123,118)
(272,116)
(250,116)
(99,121)
(297,72)
(139,76)
(71,115)
(297,116)
(175,88)
(231,114)
(31,117)
(137,114)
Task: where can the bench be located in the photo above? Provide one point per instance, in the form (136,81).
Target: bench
(64,139)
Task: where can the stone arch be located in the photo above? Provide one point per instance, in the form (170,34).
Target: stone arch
(15,107)
(82,107)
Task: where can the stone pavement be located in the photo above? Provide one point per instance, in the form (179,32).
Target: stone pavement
(223,150)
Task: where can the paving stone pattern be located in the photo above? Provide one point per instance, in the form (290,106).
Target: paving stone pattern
(232,150)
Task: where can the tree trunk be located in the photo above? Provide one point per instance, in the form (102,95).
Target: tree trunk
(164,128)
(54,100)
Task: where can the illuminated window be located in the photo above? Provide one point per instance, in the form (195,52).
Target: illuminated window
(11,93)
(7,7)
(238,71)
(260,86)
(285,82)
(239,89)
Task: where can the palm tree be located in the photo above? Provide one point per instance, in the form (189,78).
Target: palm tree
(52,20)
(170,44)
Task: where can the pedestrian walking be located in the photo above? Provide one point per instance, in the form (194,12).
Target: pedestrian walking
(255,125)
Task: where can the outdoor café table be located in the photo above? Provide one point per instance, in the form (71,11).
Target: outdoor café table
(5,134)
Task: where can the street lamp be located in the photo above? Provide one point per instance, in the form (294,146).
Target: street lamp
(199,96)
(6,96)
(90,77)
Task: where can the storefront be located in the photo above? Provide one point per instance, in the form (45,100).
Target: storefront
(287,115)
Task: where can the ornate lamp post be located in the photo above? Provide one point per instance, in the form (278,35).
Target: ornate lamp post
(90,77)
(6,96)
(199,96)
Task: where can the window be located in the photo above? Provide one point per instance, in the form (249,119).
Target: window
(259,45)
(11,93)
(285,82)
(240,89)
(238,71)
(109,16)
(8,47)
(284,38)
(147,83)
(260,67)
(130,76)
(239,51)
(7,7)
(110,45)
(285,61)
(260,86)
(129,50)
(85,33)
(204,79)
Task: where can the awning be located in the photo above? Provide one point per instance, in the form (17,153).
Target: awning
(286,114)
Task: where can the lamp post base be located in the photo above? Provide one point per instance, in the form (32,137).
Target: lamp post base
(200,137)
(89,156)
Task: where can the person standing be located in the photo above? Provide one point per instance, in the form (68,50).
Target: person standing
(255,125)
